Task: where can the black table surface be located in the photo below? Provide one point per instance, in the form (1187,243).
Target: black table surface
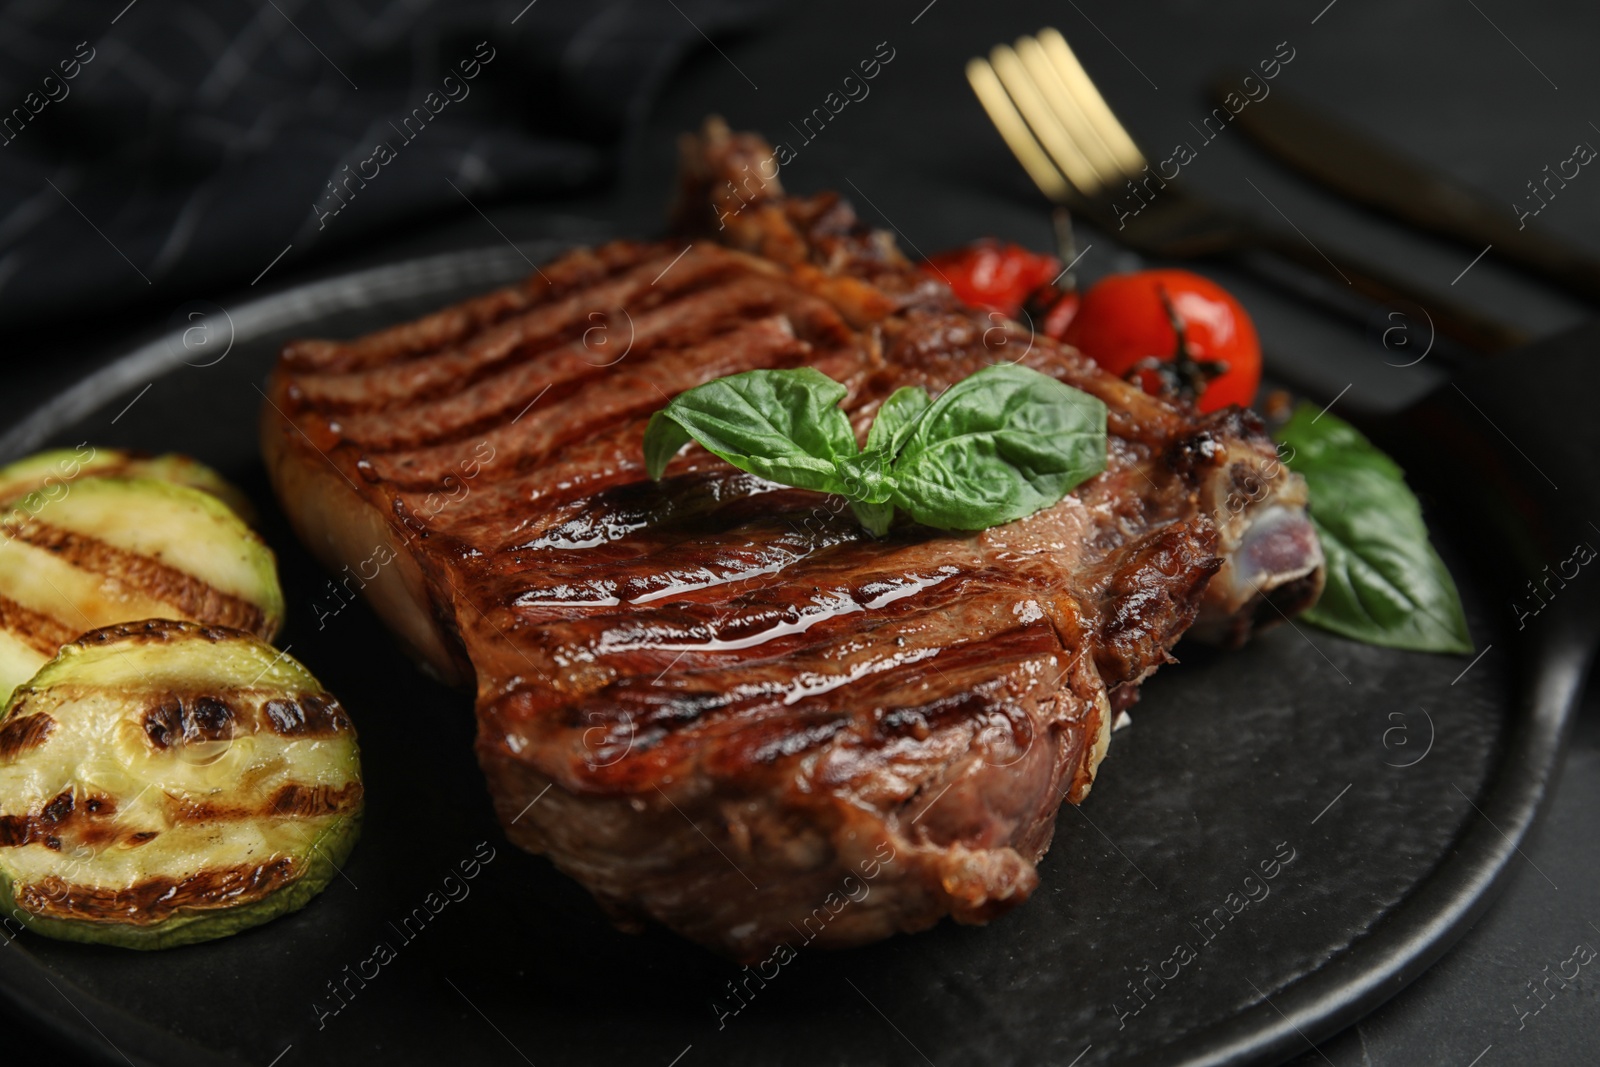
(1488,91)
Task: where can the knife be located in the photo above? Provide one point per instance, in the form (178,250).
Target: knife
(1362,168)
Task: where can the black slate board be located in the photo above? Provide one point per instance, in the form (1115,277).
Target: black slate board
(1400,783)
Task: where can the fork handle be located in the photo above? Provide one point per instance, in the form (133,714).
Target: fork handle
(1460,323)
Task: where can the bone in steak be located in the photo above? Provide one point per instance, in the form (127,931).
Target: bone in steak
(724,696)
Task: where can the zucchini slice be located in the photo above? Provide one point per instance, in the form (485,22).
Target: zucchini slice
(47,473)
(111,550)
(165,782)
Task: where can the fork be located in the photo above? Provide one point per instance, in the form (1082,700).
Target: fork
(1069,141)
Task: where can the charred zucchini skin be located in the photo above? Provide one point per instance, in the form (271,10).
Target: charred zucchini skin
(333,849)
(49,473)
(214,850)
(113,549)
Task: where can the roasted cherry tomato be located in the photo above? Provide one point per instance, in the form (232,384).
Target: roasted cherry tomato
(992,275)
(1177,331)
(1061,314)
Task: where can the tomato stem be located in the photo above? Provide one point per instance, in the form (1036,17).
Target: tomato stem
(1182,375)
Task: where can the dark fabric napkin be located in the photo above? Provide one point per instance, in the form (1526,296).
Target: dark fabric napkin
(161,149)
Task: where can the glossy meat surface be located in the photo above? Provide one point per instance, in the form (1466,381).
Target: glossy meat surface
(714,700)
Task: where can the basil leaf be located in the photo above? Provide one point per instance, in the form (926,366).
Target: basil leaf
(783,425)
(897,417)
(1385,583)
(865,476)
(996,446)
(662,439)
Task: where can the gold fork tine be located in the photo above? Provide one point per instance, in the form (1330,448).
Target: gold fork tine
(1044,122)
(1072,118)
(1014,129)
(1094,107)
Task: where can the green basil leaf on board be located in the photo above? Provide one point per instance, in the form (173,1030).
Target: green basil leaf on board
(1385,583)
(995,447)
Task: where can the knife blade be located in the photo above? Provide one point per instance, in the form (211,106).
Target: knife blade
(1364,169)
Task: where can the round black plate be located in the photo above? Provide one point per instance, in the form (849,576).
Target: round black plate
(1283,838)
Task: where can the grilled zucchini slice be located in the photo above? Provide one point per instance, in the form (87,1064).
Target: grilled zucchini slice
(165,782)
(48,474)
(114,550)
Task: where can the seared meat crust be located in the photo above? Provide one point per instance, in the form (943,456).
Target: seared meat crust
(713,699)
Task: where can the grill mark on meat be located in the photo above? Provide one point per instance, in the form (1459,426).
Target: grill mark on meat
(689,569)
(450,325)
(512,497)
(585,532)
(967,687)
(566,369)
(413,339)
(740,515)
(794,688)
(188,594)
(820,644)
(811,678)
(777,624)
(777,612)
(809,622)
(739,541)
(41,632)
(631,392)
(593,515)
(155,900)
(519,338)
(565,510)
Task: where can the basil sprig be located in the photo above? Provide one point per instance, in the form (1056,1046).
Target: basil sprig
(996,446)
(1386,585)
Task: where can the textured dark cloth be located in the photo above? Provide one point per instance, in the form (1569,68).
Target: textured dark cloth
(163,149)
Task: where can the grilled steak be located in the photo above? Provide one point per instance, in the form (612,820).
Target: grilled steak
(714,699)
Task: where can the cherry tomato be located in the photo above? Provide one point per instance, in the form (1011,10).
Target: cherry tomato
(1061,314)
(988,274)
(1126,320)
